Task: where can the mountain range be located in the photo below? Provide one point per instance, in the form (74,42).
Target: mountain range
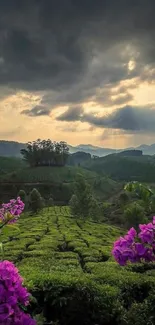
(12,148)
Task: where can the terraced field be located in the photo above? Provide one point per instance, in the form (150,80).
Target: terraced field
(68,267)
(54,235)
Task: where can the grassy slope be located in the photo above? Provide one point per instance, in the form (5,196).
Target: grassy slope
(10,164)
(103,186)
(55,174)
(72,260)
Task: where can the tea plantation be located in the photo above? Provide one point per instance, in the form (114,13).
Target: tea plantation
(68,267)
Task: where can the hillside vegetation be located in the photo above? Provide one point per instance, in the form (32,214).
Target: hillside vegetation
(118,167)
(57,182)
(68,267)
(10,164)
(49,174)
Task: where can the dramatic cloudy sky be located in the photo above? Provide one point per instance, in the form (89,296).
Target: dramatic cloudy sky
(82,71)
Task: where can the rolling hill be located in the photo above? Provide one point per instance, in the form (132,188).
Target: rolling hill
(55,181)
(12,148)
(124,168)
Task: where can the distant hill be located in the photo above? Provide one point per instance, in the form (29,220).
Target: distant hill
(124,167)
(101,152)
(12,148)
(93,150)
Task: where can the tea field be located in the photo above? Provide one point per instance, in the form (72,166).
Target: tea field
(68,267)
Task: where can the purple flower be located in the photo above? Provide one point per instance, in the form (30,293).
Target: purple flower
(147,233)
(129,249)
(14,207)
(12,296)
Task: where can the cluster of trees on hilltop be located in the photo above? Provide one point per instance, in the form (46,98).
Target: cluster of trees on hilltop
(46,153)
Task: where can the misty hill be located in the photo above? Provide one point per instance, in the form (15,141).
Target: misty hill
(12,148)
(101,152)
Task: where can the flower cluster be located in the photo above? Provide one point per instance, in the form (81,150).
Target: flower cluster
(135,247)
(11,210)
(13,296)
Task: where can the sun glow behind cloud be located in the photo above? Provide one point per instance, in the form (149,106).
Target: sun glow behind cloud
(24,128)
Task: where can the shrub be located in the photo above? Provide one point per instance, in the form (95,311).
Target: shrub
(76,301)
(124,198)
(134,214)
(23,196)
(50,202)
(35,201)
(73,203)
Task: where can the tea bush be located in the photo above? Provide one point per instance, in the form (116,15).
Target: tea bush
(68,268)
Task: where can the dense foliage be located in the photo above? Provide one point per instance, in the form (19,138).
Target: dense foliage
(82,203)
(45,153)
(134,214)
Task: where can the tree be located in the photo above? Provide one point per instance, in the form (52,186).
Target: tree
(82,201)
(134,215)
(73,203)
(95,210)
(23,196)
(45,153)
(35,201)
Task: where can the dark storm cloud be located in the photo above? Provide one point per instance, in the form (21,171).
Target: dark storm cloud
(72,114)
(74,47)
(130,119)
(49,44)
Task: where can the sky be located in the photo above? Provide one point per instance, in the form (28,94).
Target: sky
(82,71)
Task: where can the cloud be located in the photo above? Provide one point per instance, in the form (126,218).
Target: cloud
(72,114)
(128,118)
(38,110)
(73,49)
(131,119)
